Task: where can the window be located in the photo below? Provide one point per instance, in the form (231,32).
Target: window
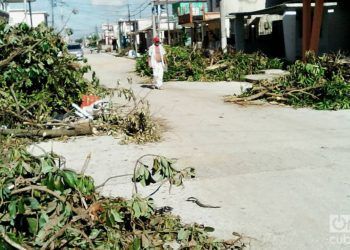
(218,3)
(74,46)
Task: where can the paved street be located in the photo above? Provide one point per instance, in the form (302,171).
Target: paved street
(277,172)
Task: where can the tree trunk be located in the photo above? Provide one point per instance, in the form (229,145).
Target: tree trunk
(82,128)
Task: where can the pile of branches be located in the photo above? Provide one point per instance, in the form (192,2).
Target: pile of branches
(43,205)
(129,117)
(39,82)
(38,77)
(191,64)
(320,82)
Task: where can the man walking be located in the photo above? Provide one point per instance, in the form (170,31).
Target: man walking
(157,61)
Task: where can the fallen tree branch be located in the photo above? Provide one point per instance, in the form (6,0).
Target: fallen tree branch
(84,235)
(55,236)
(16,53)
(245,99)
(39,188)
(77,130)
(46,190)
(11,242)
(12,56)
(112,177)
(15,99)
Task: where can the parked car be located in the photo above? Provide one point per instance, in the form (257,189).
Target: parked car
(76,49)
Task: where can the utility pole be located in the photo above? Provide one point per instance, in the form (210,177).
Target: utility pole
(30,13)
(129,21)
(158,20)
(62,16)
(154,32)
(52,13)
(223,26)
(129,12)
(167,13)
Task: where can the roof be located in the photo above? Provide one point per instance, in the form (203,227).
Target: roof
(33,12)
(279,9)
(18,1)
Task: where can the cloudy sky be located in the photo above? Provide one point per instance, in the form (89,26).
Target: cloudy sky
(92,13)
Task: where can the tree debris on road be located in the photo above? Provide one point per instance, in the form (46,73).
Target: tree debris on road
(320,82)
(40,81)
(187,64)
(43,206)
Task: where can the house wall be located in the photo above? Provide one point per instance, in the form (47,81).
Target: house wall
(286,37)
(18,16)
(144,23)
(232,6)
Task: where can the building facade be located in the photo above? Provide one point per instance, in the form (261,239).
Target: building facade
(36,18)
(277,29)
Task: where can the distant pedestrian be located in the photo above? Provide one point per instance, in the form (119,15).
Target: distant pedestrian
(157,61)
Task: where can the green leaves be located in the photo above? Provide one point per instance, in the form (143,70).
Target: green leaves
(162,169)
(116,216)
(186,64)
(141,207)
(320,82)
(143,175)
(136,244)
(33,203)
(44,82)
(12,208)
(33,225)
(70,178)
(67,209)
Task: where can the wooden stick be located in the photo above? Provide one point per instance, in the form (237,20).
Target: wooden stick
(15,98)
(86,164)
(55,236)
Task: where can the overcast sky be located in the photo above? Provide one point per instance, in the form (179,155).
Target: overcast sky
(91,12)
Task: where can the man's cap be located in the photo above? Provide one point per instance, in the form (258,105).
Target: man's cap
(156,39)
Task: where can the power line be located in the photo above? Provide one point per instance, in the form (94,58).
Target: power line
(141,10)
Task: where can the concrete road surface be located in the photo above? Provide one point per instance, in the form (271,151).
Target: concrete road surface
(278,173)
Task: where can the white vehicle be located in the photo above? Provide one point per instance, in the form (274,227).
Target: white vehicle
(76,49)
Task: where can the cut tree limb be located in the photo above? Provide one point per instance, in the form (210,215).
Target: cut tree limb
(217,66)
(17,52)
(245,99)
(82,128)
(10,58)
